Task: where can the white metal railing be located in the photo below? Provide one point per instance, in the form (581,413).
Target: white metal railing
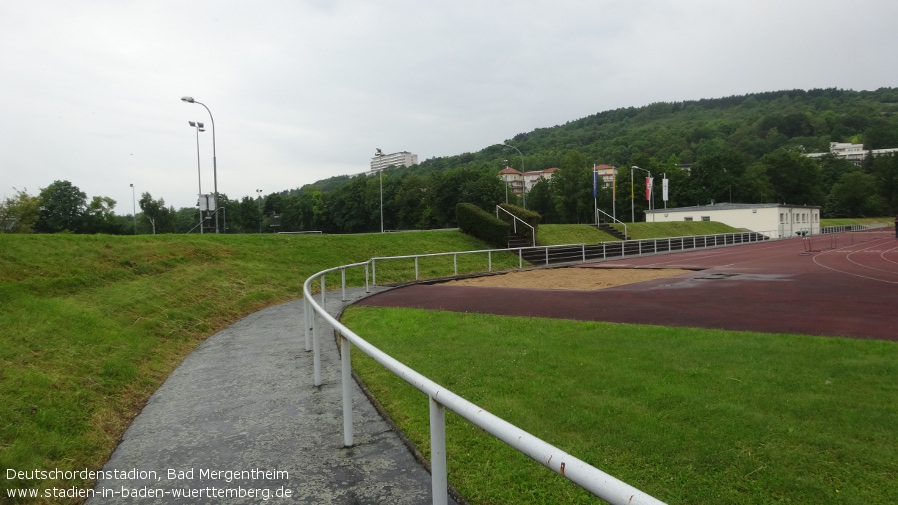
(514,222)
(572,468)
(581,473)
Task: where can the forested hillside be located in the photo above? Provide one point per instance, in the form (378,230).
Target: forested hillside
(746,149)
(742,149)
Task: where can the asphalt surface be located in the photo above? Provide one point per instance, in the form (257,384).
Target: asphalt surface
(240,421)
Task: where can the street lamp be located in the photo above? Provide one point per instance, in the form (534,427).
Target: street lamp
(199,128)
(378,153)
(134,207)
(189,99)
(633,195)
(259,196)
(523,176)
(506,181)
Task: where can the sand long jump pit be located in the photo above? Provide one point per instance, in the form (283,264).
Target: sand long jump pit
(569,278)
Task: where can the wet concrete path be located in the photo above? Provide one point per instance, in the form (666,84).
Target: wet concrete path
(240,421)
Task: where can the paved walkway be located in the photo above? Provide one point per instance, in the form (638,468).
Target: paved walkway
(239,421)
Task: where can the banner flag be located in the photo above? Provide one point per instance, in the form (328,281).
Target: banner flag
(664,189)
(648,188)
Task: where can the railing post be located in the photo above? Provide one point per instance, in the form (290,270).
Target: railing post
(367,289)
(373,272)
(316,339)
(547,256)
(583,247)
(346,369)
(416,268)
(439,480)
(342,284)
(307,320)
(520,259)
(489,261)
(455,263)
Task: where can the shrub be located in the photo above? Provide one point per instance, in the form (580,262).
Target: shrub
(528,216)
(481,224)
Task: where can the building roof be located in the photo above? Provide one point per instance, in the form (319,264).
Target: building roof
(509,170)
(731,206)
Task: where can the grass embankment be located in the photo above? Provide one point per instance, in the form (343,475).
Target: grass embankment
(92,325)
(687,415)
(858,220)
(561,234)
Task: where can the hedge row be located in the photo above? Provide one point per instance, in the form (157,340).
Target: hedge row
(481,224)
(528,216)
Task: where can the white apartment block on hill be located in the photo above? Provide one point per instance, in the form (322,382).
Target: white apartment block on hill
(854,153)
(400,159)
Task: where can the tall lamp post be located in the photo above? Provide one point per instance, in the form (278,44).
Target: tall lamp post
(259,196)
(134,205)
(189,99)
(633,195)
(378,153)
(523,175)
(199,128)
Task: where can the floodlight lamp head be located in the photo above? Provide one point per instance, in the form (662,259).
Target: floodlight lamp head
(191,123)
(188,99)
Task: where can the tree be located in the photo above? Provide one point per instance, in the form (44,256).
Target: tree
(20,213)
(795,178)
(152,209)
(62,208)
(853,196)
(572,185)
(99,216)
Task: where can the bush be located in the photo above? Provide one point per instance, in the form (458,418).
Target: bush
(528,216)
(481,224)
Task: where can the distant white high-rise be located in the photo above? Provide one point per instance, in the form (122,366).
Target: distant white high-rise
(400,159)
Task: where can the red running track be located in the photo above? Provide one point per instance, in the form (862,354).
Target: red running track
(834,285)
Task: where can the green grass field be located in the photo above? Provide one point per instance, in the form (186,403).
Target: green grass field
(92,325)
(687,415)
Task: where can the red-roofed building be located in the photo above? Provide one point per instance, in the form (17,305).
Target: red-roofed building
(607,173)
(519,182)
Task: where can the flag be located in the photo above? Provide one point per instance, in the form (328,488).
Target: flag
(648,188)
(664,189)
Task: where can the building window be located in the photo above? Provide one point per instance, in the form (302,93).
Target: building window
(782,218)
(706,218)
(687,219)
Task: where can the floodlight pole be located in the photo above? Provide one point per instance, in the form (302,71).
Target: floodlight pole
(633,195)
(134,207)
(189,99)
(378,153)
(523,175)
(199,128)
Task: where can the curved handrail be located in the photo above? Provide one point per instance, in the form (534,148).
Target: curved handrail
(581,473)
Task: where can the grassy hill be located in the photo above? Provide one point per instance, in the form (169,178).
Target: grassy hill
(93,324)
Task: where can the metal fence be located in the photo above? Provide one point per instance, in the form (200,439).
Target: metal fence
(581,473)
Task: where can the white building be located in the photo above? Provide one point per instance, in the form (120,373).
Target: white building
(854,153)
(772,219)
(400,159)
(519,183)
(607,173)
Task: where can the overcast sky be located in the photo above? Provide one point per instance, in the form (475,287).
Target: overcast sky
(302,90)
